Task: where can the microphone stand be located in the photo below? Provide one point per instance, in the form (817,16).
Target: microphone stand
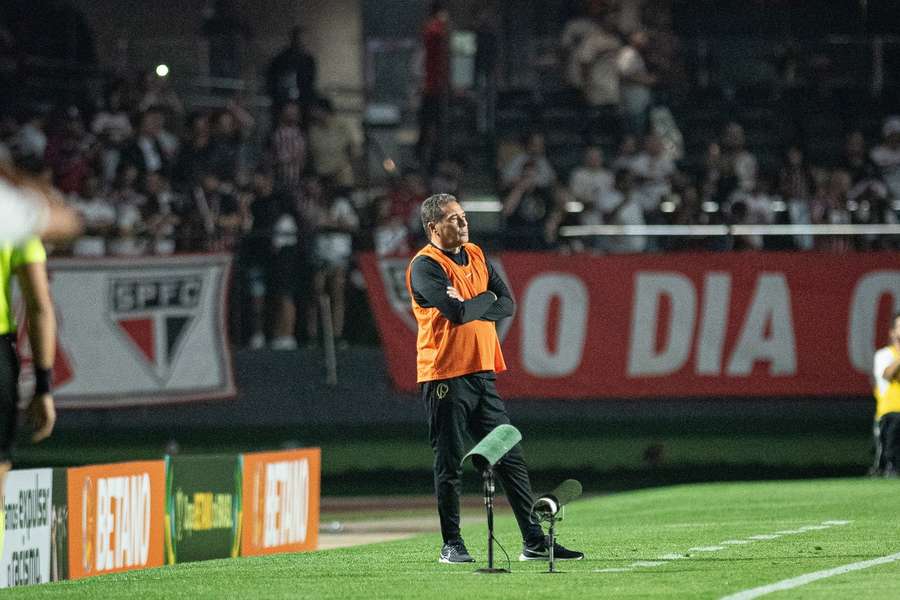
(551,508)
(552,535)
(551,516)
(488,477)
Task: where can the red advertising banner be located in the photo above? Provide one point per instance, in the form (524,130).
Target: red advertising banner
(672,325)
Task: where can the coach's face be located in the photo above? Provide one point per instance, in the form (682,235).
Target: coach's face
(452,230)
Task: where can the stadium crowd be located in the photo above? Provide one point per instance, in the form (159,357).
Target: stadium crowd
(643,183)
(626,68)
(152,176)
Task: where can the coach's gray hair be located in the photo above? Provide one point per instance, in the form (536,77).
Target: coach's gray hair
(433,209)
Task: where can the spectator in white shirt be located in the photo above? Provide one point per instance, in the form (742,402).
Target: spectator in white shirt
(752,208)
(334,222)
(534,153)
(112,126)
(574,33)
(391,235)
(628,152)
(99,216)
(635,83)
(736,160)
(596,56)
(620,206)
(590,181)
(653,170)
(161,214)
(31,138)
(886,155)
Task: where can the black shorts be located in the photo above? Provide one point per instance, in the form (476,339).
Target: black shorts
(9,395)
(288,272)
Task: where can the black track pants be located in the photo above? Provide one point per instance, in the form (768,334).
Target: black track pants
(9,395)
(461,411)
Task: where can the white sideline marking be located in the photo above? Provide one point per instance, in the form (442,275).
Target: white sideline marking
(795,582)
(661,560)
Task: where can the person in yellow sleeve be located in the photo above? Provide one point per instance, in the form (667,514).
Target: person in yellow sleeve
(886,373)
(27,263)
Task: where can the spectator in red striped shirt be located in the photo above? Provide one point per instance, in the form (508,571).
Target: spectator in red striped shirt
(288,149)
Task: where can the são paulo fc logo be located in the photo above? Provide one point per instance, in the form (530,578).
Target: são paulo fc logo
(154,316)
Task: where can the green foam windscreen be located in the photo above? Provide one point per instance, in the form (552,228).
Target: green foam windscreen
(495,444)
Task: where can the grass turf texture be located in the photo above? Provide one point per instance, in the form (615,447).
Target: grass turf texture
(571,451)
(604,455)
(614,531)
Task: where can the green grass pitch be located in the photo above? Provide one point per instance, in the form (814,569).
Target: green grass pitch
(658,543)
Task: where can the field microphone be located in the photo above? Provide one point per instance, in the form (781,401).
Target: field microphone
(548,505)
(486,453)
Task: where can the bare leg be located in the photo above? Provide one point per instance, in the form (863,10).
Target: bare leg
(312,307)
(285,316)
(4,469)
(338,284)
(258,305)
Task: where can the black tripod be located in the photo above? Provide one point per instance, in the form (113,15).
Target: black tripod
(485,455)
(549,508)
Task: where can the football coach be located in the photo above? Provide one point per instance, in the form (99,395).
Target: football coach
(457,298)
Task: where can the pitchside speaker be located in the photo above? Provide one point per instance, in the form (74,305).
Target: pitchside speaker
(485,455)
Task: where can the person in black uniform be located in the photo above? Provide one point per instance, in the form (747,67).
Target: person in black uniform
(457,297)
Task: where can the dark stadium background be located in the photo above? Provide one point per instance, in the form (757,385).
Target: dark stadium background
(731,53)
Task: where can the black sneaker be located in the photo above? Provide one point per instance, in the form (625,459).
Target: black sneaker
(541,551)
(455,552)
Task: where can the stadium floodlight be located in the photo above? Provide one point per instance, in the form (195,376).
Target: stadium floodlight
(549,507)
(485,455)
(162,70)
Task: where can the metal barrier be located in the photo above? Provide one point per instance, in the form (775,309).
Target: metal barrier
(727,230)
